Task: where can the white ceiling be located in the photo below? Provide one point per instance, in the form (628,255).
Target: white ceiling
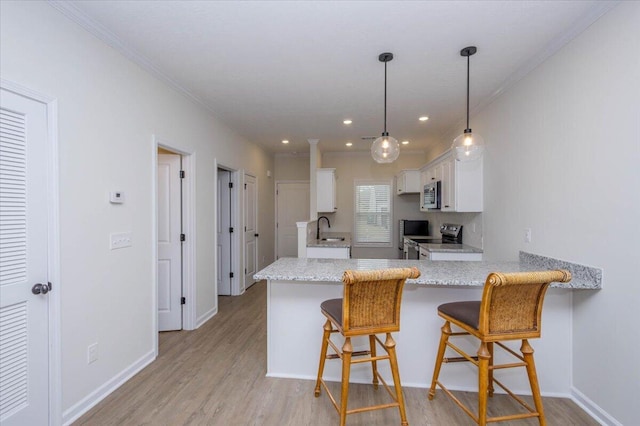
(275,70)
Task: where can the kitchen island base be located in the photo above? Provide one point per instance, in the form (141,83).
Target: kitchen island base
(294,334)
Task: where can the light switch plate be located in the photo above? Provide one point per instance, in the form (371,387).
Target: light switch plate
(120,240)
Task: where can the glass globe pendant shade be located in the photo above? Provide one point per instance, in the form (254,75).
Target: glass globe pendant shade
(385,149)
(468,146)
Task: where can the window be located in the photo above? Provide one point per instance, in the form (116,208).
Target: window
(372,222)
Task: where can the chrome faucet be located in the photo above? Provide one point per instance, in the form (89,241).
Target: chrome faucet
(318,227)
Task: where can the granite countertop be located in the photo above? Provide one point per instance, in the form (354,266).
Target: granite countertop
(437,247)
(331,244)
(432,273)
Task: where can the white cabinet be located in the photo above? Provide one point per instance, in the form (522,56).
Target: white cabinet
(455,256)
(408,182)
(461,188)
(329,252)
(326,190)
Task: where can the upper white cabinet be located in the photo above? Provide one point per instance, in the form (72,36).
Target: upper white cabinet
(461,188)
(408,182)
(326,190)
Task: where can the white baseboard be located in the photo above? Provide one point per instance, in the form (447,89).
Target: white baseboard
(84,405)
(206,317)
(593,409)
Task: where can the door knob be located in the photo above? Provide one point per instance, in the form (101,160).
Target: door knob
(41,288)
(256,235)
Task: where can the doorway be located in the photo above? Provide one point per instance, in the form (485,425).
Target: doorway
(292,205)
(169,240)
(225,275)
(168,296)
(250,229)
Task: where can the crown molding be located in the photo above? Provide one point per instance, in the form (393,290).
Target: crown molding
(72,12)
(577,28)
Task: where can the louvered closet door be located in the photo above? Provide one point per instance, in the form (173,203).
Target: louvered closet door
(24,375)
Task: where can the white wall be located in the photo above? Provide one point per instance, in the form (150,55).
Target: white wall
(291,167)
(563,158)
(360,165)
(109,109)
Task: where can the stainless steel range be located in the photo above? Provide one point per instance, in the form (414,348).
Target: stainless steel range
(451,234)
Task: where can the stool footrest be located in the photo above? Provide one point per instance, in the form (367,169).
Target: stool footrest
(459,359)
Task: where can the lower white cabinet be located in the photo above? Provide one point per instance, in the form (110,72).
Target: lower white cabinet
(329,252)
(426,254)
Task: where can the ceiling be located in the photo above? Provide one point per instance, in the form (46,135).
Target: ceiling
(274,70)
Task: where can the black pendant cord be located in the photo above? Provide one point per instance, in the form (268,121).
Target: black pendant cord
(385,99)
(468,64)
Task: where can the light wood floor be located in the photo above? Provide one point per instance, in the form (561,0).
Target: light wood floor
(216,376)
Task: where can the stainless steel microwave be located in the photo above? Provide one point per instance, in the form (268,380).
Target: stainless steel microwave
(432,192)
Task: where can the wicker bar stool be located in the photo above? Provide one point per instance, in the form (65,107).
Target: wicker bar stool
(370,306)
(510,309)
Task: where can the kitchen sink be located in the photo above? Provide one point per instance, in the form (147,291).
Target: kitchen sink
(333,239)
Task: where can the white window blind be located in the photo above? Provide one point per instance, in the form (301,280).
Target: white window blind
(372,222)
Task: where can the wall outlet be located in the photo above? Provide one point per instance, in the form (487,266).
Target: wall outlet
(527,235)
(119,240)
(92,353)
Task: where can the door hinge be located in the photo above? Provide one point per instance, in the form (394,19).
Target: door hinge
(230,184)
(230,274)
(183,300)
(231,230)
(245,186)
(245,270)
(181,174)
(277,192)
(183,237)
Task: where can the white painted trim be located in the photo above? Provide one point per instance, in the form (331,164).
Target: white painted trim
(53,246)
(207,315)
(88,402)
(188,227)
(72,12)
(592,409)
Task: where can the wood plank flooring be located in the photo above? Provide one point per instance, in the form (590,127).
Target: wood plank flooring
(216,376)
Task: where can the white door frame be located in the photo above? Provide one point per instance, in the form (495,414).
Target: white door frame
(188,228)
(53,246)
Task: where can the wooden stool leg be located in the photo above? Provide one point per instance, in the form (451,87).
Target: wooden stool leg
(323,354)
(490,379)
(374,363)
(444,338)
(347,349)
(527,352)
(483,386)
(390,344)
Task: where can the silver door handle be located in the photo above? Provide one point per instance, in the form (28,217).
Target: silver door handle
(41,288)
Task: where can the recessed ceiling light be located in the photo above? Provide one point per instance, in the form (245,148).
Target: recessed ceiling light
(348,144)
(285,141)
(347,121)
(405,142)
(423,118)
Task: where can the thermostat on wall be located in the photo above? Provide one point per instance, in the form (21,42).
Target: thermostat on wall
(116,197)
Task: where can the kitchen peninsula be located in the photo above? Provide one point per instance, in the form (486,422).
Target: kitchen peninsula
(297,286)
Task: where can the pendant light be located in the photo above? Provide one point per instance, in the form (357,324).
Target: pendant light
(468,146)
(385,149)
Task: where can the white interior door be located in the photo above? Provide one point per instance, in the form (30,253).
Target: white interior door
(169,244)
(224,234)
(292,204)
(24,340)
(250,229)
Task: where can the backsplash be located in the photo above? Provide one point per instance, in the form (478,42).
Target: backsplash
(471,225)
